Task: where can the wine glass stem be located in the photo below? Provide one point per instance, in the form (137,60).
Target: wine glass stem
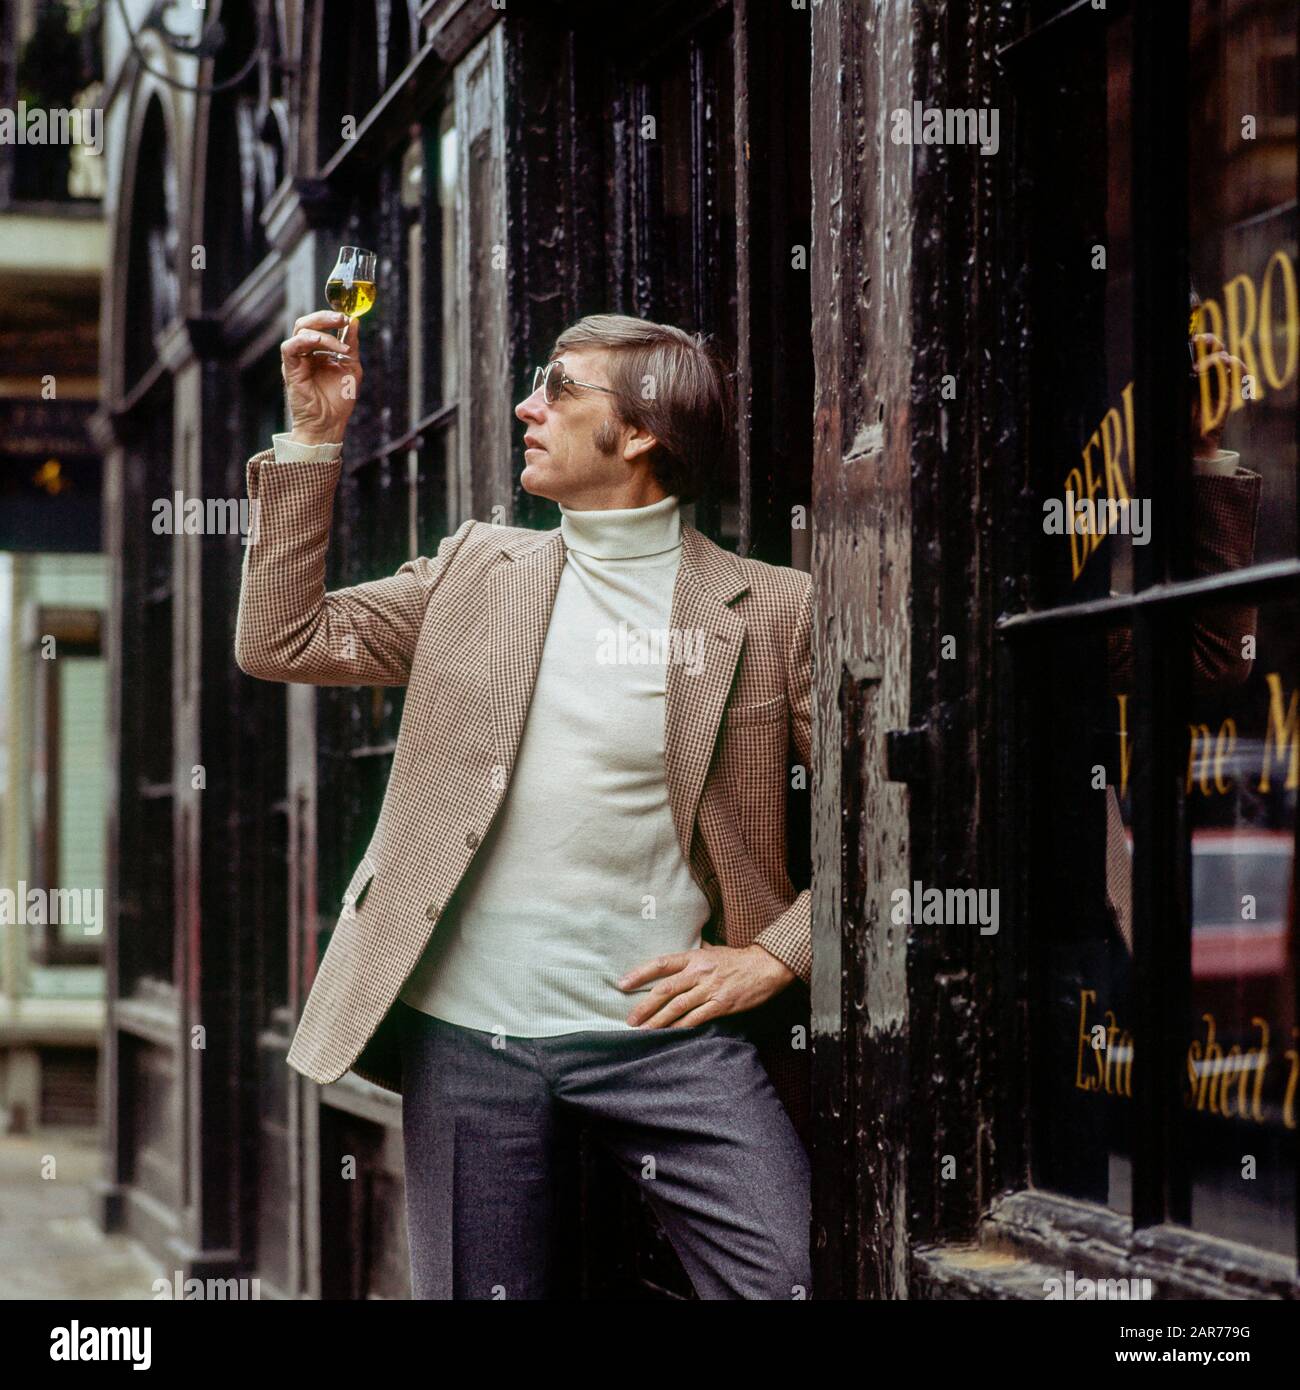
(343,337)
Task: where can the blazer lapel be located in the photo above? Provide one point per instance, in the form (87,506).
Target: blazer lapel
(708,579)
(520,596)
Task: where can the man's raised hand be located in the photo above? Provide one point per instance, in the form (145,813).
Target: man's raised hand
(321,392)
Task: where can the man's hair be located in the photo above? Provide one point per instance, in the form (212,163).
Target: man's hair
(669,382)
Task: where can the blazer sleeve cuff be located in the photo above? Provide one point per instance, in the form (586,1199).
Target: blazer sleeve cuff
(789,937)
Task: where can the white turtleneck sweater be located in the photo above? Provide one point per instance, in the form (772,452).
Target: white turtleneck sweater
(580,877)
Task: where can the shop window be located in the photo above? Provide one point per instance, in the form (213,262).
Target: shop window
(1234,1165)
(1156,665)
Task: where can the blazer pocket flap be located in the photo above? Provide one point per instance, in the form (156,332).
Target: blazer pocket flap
(756,714)
(356,888)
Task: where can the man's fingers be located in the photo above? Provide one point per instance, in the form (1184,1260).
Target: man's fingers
(682,1010)
(310,340)
(655,969)
(1211,352)
(322,320)
(1216,359)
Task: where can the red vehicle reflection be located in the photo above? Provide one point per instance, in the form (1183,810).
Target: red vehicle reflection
(1241,895)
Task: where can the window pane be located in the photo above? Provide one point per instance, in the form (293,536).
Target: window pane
(1232,1165)
(83,780)
(443,377)
(413,202)
(1240,1089)
(430,193)
(1083,1026)
(1077,118)
(1242,138)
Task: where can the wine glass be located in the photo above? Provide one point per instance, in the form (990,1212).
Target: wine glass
(350,290)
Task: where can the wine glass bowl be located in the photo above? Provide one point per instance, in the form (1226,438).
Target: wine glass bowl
(350,290)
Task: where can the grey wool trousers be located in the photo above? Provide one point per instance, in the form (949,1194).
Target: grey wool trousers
(689,1114)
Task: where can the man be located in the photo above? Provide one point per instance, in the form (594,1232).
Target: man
(588,784)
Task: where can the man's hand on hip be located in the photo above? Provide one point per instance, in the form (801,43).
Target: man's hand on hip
(698,986)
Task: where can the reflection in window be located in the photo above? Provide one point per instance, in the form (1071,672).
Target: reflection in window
(1240,1094)
(1242,133)
(1086,750)
(1231,1166)
(1086,1034)
(1079,121)
(1238,1174)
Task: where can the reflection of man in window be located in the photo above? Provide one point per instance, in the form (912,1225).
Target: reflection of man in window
(1225,506)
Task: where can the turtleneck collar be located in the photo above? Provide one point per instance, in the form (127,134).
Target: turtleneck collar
(622,533)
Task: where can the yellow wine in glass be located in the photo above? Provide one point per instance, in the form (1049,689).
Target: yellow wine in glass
(350,290)
(353,300)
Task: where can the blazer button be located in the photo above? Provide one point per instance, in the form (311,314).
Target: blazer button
(471,841)
(431,912)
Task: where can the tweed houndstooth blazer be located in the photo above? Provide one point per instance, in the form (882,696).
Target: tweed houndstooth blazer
(463,632)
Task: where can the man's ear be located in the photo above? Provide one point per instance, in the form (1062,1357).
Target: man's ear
(638,444)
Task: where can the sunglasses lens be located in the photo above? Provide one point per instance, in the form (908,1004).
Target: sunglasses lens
(554,377)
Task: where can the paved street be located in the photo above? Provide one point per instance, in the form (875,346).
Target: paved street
(50,1246)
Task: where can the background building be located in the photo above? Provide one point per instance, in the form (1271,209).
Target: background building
(928,338)
(53,574)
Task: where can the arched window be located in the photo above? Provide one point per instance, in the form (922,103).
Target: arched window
(152,302)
